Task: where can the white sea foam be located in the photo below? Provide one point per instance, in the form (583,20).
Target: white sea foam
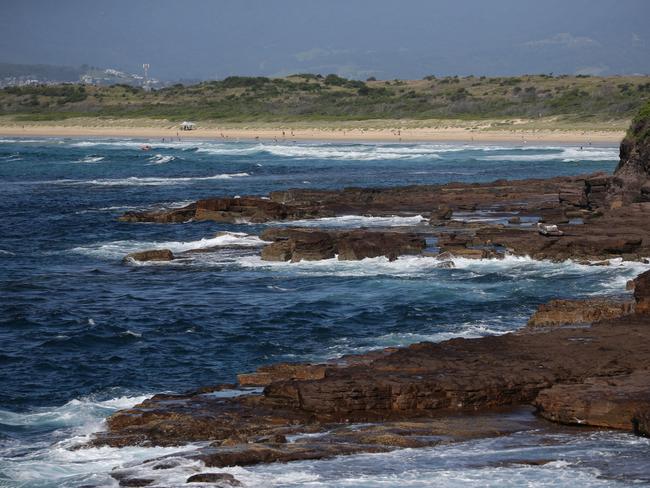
(114,143)
(21,141)
(576,460)
(91,159)
(466,330)
(118,249)
(610,278)
(85,413)
(356,221)
(46,464)
(148,181)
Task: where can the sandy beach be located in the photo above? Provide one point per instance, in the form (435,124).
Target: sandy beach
(333,133)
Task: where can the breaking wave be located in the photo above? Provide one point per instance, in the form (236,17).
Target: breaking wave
(566,155)
(356,221)
(118,249)
(47,464)
(609,278)
(161,159)
(91,159)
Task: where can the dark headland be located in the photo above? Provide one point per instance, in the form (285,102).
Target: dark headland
(577,362)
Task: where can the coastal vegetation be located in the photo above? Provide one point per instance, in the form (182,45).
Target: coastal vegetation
(316,98)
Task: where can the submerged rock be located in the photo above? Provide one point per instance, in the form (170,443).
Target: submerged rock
(221,479)
(166,216)
(443,212)
(151,255)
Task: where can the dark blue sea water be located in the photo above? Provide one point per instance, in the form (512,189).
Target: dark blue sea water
(82,334)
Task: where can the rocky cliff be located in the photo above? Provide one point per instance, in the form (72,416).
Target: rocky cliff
(631,182)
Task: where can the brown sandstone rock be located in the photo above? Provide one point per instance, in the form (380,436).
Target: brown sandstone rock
(565,312)
(265,375)
(618,402)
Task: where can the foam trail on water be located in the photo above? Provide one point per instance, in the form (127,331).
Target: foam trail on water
(149,181)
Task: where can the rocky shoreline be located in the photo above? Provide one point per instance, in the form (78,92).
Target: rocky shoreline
(567,370)
(577,362)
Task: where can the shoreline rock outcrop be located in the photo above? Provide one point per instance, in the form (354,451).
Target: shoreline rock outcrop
(437,201)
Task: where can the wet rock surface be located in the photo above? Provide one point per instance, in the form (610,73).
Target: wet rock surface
(221,479)
(297,244)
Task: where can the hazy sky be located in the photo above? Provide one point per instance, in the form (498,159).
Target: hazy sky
(356,38)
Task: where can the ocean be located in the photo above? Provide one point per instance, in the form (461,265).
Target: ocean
(82,334)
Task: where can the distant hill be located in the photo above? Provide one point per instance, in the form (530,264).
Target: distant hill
(42,72)
(308,97)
